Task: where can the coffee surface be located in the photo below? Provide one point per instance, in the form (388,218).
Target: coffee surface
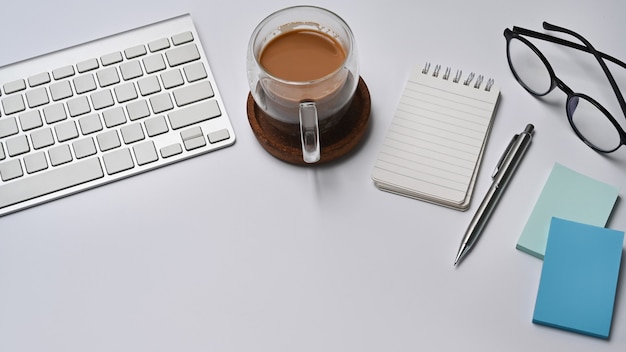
(302,55)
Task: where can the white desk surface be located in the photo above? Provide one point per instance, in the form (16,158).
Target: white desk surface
(238,251)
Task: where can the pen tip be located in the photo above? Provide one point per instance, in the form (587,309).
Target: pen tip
(460,254)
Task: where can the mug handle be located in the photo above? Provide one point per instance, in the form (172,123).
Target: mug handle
(309,132)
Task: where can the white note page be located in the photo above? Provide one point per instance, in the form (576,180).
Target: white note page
(435,142)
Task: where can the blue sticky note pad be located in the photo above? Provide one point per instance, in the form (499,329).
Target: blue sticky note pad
(579,278)
(569,195)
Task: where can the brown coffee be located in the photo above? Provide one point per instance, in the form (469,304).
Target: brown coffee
(302,55)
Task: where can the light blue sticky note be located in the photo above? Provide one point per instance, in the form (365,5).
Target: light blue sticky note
(569,195)
(579,278)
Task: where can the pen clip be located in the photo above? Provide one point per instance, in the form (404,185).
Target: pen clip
(503,157)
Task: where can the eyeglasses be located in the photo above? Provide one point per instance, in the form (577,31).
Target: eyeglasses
(591,121)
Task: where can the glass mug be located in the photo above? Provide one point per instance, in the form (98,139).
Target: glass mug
(303,72)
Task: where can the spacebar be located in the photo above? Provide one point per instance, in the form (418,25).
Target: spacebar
(50,181)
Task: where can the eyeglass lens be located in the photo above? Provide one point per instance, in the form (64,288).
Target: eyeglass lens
(530,70)
(591,123)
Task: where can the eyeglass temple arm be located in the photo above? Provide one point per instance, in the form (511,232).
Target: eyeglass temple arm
(587,48)
(596,54)
(549,38)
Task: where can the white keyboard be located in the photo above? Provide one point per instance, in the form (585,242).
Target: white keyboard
(104,110)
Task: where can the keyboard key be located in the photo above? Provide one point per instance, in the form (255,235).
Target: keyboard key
(192,114)
(125,92)
(172,79)
(193,138)
(158,44)
(135,51)
(145,153)
(132,133)
(149,85)
(118,161)
(154,63)
(66,131)
(84,147)
(171,150)
(108,76)
(8,126)
(39,79)
(182,55)
(108,140)
(90,123)
(111,58)
(87,65)
(78,106)
(84,83)
(35,162)
(37,97)
(137,110)
(30,120)
(102,99)
(61,90)
(50,181)
(182,38)
(13,104)
(42,138)
(54,113)
(195,72)
(218,136)
(63,72)
(193,93)
(14,86)
(130,70)
(161,102)
(156,126)
(114,117)
(60,155)
(9,170)
(2,155)
(17,145)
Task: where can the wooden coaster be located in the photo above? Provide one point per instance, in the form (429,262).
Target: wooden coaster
(335,142)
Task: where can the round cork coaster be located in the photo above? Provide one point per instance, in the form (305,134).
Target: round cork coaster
(335,142)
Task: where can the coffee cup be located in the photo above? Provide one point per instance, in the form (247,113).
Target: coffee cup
(303,72)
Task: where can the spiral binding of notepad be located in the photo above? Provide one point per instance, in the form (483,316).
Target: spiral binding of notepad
(457,77)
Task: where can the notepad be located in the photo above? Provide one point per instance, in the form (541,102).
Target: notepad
(433,148)
(569,195)
(579,278)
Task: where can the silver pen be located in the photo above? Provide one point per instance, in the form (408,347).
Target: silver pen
(501,177)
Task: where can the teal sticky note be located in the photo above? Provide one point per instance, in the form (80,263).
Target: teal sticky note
(579,278)
(569,195)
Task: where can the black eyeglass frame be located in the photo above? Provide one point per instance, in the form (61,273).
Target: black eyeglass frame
(572,97)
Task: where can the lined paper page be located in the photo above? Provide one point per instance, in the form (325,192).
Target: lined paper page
(435,142)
